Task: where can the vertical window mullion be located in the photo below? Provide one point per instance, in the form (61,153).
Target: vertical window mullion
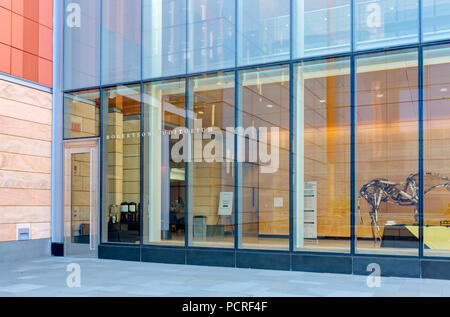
(353,154)
(421,152)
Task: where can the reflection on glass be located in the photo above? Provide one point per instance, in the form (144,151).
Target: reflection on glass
(263,158)
(436,232)
(121,41)
(436,20)
(263,31)
(121,164)
(321,27)
(322,156)
(80,198)
(211,174)
(81,44)
(82,114)
(387,153)
(164,38)
(211,35)
(164,174)
(380,23)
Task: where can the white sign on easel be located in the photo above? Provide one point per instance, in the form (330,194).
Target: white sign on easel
(226,204)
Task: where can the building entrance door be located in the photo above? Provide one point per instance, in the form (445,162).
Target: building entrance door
(81,193)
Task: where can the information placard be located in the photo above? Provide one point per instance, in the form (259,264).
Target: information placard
(226,204)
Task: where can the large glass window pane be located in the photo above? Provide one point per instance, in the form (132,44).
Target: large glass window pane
(211,35)
(121,41)
(263,158)
(81,44)
(436,232)
(383,23)
(82,114)
(322,156)
(263,31)
(436,20)
(321,27)
(164,38)
(387,153)
(164,174)
(121,164)
(211,171)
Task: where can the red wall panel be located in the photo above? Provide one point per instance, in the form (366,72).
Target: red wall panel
(5,30)
(26,39)
(5,58)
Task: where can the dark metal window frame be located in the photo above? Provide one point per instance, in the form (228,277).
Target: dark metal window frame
(291,64)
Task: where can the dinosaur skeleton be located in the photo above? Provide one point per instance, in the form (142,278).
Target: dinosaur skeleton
(381,190)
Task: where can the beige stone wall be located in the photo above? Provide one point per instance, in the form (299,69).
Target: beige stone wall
(123,160)
(131,161)
(115,160)
(86,115)
(25,161)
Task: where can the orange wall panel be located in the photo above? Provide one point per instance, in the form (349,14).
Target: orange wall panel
(45,42)
(17,31)
(5,30)
(31,10)
(30,67)
(16,62)
(45,72)
(17,6)
(30,37)
(5,4)
(46,13)
(5,58)
(27,38)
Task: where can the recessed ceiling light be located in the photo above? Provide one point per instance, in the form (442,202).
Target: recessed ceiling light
(322,101)
(200,112)
(444,89)
(380,95)
(269,106)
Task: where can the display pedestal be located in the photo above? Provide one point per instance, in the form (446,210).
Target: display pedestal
(399,236)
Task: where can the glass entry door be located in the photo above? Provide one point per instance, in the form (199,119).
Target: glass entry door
(81,194)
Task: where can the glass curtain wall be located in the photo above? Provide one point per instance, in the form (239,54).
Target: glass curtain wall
(194,36)
(164,171)
(191,36)
(121,117)
(164,38)
(435,20)
(211,35)
(387,151)
(211,169)
(121,41)
(321,27)
(263,158)
(322,156)
(382,23)
(263,31)
(81,44)
(436,231)
(82,114)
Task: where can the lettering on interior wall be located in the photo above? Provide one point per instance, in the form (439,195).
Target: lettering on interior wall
(263,145)
(73,15)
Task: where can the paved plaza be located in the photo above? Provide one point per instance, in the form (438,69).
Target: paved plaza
(49,277)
